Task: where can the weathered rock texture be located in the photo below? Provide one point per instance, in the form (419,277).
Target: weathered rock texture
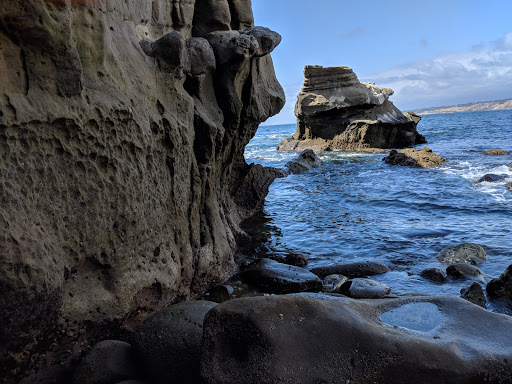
(294,339)
(122,131)
(336,112)
(414,157)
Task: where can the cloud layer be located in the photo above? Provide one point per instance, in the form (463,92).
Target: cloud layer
(483,73)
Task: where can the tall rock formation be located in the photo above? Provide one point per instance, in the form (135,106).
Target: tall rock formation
(336,112)
(122,131)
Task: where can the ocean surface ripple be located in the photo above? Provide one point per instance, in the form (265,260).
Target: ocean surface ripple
(356,207)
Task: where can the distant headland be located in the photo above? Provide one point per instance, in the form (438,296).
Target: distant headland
(470,107)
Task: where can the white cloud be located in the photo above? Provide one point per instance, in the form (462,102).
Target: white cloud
(482,73)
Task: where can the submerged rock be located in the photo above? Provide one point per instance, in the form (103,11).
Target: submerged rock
(412,157)
(352,270)
(297,339)
(502,286)
(109,361)
(496,152)
(474,294)
(463,270)
(463,253)
(491,178)
(510,165)
(509,186)
(273,277)
(365,289)
(304,162)
(434,274)
(336,112)
(169,342)
(333,283)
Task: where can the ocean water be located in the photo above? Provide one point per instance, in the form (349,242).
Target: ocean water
(356,207)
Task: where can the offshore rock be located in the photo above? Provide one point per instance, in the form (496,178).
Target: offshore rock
(297,339)
(304,162)
(412,157)
(365,289)
(123,180)
(496,152)
(463,270)
(336,112)
(434,274)
(491,178)
(463,253)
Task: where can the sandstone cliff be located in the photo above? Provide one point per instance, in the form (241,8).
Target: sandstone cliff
(122,130)
(471,107)
(336,112)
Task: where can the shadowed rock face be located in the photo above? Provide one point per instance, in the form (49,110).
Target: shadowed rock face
(122,147)
(336,112)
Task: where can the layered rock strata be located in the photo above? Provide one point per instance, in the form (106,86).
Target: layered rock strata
(336,112)
(122,131)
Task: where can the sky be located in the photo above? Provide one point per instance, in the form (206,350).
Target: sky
(430,52)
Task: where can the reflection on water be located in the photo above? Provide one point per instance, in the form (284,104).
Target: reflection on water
(421,317)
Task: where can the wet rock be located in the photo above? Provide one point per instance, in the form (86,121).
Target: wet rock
(491,178)
(502,286)
(304,162)
(474,294)
(510,165)
(267,39)
(108,362)
(496,152)
(296,339)
(337,112)
(463,270)
(133,382)
(509,186)
(434,274)
(463,253)
(273,277)
(169,342)
(333,283)
(360,288)
(352,270)
(412,157)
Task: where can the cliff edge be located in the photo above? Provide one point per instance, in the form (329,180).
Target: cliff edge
(336,112)
(122,131)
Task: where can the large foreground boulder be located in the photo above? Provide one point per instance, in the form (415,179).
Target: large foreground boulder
(336,112)
(296,339)
(413,157)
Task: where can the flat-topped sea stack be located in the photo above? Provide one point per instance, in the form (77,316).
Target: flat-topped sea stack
(337,112)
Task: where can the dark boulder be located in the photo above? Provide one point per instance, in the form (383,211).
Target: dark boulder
(474,294)
(413,157)
(297,339)
(463,270)
(273,277)
(352,270)
(491,178)
(434,274)
(108,362)
(463,253)
(502,286)
(304,162)
(169,342)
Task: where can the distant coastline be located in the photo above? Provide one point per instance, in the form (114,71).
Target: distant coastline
(471,107)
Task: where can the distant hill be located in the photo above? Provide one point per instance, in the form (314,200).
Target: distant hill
(471,107)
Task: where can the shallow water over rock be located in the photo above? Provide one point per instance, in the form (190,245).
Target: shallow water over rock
(421,317)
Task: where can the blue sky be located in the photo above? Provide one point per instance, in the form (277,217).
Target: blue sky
(431,52)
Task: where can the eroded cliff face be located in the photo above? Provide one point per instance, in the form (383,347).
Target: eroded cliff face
(122,130)
(336,112)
